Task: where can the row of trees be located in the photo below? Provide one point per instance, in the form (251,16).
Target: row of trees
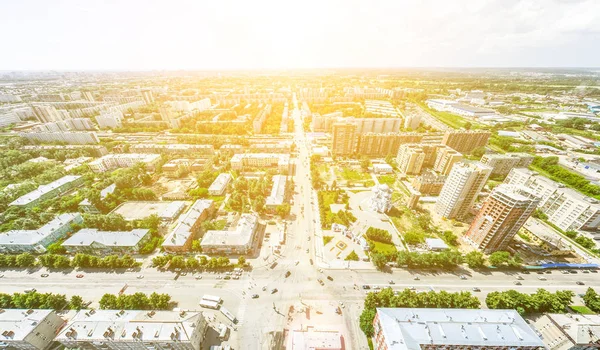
(58,261)
(412,299)
(446,260)
(35,300)
(539,302)
(584,241)
(179,262)
(136,301)
(592,300)
(557,173)
(378,235)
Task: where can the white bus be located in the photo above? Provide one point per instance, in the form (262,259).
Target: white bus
(209,304)
(214,298)
(229,315)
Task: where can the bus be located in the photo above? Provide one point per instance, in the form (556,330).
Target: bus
(209,304)
(213,298)
(229,315)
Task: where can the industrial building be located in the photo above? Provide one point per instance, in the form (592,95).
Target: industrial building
(28,329)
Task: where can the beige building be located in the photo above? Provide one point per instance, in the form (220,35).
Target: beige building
(238,240)
(429,183)
(569,331)
(134,329)
(125,160)
(445,159)
(261,160)
(460,190)
(502,164)
(343,139)
(28,329)
(410,159)
(466,141)
(382,144)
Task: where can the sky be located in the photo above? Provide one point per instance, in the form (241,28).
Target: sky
(280,34)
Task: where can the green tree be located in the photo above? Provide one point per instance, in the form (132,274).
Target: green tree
(379,260)
(76,302)
(499,258)
(352,256)
(241,261)
(475,259)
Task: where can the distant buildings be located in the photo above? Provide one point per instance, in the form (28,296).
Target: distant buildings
(181,237)
(28,329)
(464,183)
(277,196)
(176,148)
(73,124)
(219,186)
(410,159)
(96,151)
(261,160)
(68,137)
(110,120)
(466,141)
(502,164)
(149,98)
(54,189)
(380,145)
(260,118)
(380,107)
(503,213)
(280,147)
(47,114)
(565,208)
(125,160)
(346,132)
(186,106)
(132,329)
(107,242)
(343,141)
(458,108)
(432,329)
(239,240)
(36,241)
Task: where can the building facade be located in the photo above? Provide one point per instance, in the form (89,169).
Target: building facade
(466,141)
(36,241)
(445,159)
(181,237)
(502,164)
(464,183)
(343,139)
(28,329)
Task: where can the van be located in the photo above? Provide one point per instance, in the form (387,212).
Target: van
(30,290)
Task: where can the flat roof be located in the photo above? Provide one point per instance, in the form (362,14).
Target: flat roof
(32,237)
(220,182)
(181,233)
(409,328)
(130,325)
(241,235)
(44,189)
(87,237)
(137,210)
(277,191)
(21,322)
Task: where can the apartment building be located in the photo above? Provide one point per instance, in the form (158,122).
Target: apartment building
(177,167)
(134,329)
(239,240)
(569,331)
(445,159)
(503,213)
(279,147)
(124,160)
(343,141)
(380,107)
(8,118)
(324,123)
(7,98)
(46,113)
(462,186)
(412,121)
(260,160)
(231,149)
(68,137)
(456,329)
(181,237)
(428,183)
(260,118)
(503,163)
(565,208)
(177,148)
(28,329)
(218,187)
(466,141)
(410,159)
(380,145)
(110,120)
(36,241)
(147,96)
(277,196)
(52,190)
(107,242)
(96,151)
(77,124)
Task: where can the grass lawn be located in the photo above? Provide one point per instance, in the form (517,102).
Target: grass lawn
(327,239)
(386,179)
(581,309)
(324,171)
(385,247)
(353,175)
(220,224)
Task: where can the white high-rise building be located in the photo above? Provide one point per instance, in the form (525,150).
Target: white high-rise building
(112,119)
(46,114)
(412,121)
(461,189)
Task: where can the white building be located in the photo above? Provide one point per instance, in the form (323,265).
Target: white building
(125,160)
(261,160)
(440,105)
(180,238)
(43,192)
(8,118)
(219,186)
(565,208)
(239,240)
(412,121)
(569,331)
(134,329)
(462,186)
(111,120)
(93,241)
(277,192)
(28,329)
(36,241)
(6,98)
(381,200)
(382,168)
(68,137)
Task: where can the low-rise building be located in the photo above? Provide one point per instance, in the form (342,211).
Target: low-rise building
(277,196)
(92,240)
(261,160)
(134,329)
(36,241)
(218,187)
(52,190)
(281,147)
(382,168)
(311,338)
(177,167)
(181,237)
(69,137)
(28,329)
(239,240)
(412,328)
(96,151)
(436,244)
(569,331)
(125,160)
(176,148)
(428,183)
(87,206)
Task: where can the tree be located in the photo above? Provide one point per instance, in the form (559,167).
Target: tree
(76,302)
(414,237)
(592,300)
(56,248)
(108,301)
(467,126)
(352,256)
(379,260)
(475,259)
(364,164)
(196,246)
(241,261)
(478,152)
(499,258)
(378,235)
(25,260)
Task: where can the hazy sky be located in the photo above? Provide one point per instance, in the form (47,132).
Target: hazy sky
(216,34)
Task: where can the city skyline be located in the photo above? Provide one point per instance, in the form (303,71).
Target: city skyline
(272,35)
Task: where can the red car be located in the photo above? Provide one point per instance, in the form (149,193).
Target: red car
(79,275)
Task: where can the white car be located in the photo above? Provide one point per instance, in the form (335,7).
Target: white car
(139,277)
(198,277)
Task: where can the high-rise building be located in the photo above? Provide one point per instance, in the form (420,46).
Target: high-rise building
(380,145)
(410,159)
(456,329)
(46,114)
(343,141)
(147,96)
(502,215)
(503,163)
(88,95)
(113,119)
(445,159)
(412,121)
(466,141)
(68,137)
(461,189)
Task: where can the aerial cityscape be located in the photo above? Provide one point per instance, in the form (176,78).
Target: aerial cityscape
(271,186)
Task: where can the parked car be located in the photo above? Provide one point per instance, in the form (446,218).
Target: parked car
(321,282)
(416,278)
(366,286)
(254,296)
(274,290)
(520,278)
(287,274)
(391,282)
(463,277)
(542,278)
(45,275)
(476,289)
(30,290)
(518,283)
(79,275)
(330,278)
(139,277)
(579,283)
(227,277)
